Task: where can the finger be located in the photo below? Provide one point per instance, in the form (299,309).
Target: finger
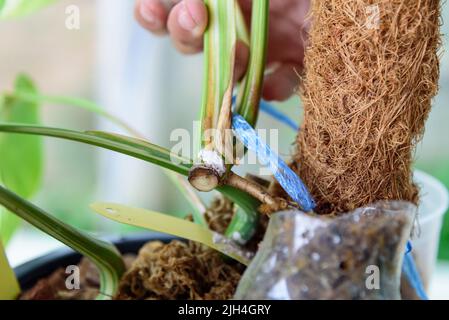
(152,15)
(241,60)
(282,83)
(186,24)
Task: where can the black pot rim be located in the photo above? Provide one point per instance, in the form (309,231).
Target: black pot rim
(29,273)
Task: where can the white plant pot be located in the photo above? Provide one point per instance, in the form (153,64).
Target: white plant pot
(433,206)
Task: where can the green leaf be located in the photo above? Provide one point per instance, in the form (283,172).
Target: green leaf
(133,147)
(18,8)
(104,255)
(21,166)
(76,102)
(153,153)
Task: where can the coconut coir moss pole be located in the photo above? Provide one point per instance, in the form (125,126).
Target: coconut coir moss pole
(371,71)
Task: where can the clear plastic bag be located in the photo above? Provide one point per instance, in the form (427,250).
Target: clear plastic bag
(354,256)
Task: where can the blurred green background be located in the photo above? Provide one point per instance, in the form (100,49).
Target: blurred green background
(145,81)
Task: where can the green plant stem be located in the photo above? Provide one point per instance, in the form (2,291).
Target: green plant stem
(220,41)
(104,255)
(250,93)
(245,222)
(242,30)
(219,52)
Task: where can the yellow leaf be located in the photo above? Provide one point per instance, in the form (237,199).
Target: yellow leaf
(9,286)
(177,227)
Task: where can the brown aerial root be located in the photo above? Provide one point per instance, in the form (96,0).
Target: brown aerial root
(269,205)
(367,93)
(205,179)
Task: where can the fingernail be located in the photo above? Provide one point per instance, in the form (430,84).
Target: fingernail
(185,19)
(147,13)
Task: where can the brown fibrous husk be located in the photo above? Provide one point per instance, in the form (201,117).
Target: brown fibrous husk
(367,92)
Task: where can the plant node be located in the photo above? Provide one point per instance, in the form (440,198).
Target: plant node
(204,178)
(207,175)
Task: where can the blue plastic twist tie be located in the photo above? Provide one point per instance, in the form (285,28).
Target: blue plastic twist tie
(412,274)
(409,247)
(276,114)
(288,179)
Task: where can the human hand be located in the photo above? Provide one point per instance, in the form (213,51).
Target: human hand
(186,21)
